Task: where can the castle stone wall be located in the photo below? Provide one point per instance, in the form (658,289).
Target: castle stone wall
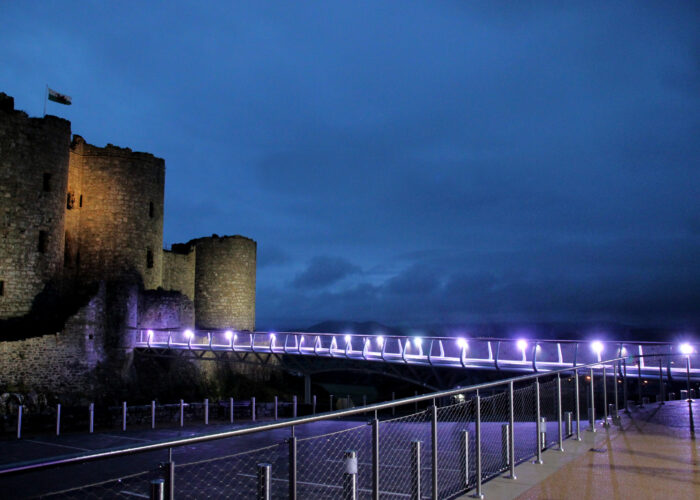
(115,224)
(33,173)
(225,282)
(159,309)
(178,270)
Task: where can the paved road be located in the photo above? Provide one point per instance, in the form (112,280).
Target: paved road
(227,467)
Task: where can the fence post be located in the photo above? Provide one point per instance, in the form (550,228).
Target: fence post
(639,382)
(313,405)
(477,427)
(578,406)
(294,406)
(375,458)
(206,411)
(182,413)
(157,489)
(153,414)
(331,403)
(252,408)
(434,439)
(559,421)
(364,400)
(505,446)
(292,468)
(19,422)
(616,419)
(275,407)
(605,399)
(543,433)
(393,408)
(123,415)
(264,476)
(624,386)
(415,470)
(568,425)
(661,383)
(170,476)
(591,410)
(91,415)
(58,419)
(464,448)
(511,433)
(350,476)
(538,430)
(230,408)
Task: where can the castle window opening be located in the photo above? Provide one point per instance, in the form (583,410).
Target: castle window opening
(43,237)
(151,209)
(47,182)
(80,203)
(149,258)
(2,288)
(70,201)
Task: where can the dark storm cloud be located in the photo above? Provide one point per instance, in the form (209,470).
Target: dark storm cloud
(505,161)
(324,271)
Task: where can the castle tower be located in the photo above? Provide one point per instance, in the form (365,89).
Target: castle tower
(114,214)
(225,282)
(33,176)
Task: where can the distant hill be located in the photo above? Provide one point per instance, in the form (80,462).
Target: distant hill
(359,328)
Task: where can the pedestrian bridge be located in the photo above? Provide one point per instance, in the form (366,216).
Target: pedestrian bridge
(510,355)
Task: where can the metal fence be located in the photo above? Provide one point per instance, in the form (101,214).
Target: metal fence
(437,445)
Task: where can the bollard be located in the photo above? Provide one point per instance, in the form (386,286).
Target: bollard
(684,394)
(206,411)
(19,422)
(605,400)
(591,421)
(252,408)
(505,445)
(264,483)
(294,406)
(275,407)
(123,415)
(58,419)
(559,420)
(230,409)
(568,423)
(543,433)
(182,413)
(692,393)
(313,404)
(153,414)
(91,415)
(464,449)
(415,470)
(157,489)
(350,476)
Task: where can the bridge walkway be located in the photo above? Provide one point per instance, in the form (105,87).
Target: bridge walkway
(651,455)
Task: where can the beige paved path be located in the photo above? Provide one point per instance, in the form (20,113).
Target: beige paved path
(652,456)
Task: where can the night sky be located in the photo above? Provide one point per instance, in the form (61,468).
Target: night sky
(410,163)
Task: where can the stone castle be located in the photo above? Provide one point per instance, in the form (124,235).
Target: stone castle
(81,257)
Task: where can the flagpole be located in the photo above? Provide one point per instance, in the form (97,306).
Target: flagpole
(46,95)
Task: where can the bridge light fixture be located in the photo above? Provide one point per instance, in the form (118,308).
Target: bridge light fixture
(418,341)
(348,339)
(150,334)
(462,343)
(229,334)
(189,334)
(686,349)
(380,341)
(522,344)
(597,347)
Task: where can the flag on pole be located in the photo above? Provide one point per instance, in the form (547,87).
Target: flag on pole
(59,98)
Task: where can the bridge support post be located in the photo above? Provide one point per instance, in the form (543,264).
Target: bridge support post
(206,411)
(313,405)
(294,406)
(307,389)
(350,476)
(123,415)
(169,469)
(275,407)
(230,409)
(182,413)
(415,470)
(252,408)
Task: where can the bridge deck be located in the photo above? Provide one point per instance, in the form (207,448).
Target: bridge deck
(650,456)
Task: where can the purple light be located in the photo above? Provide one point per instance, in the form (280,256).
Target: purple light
(462,343)
(597,347)
(522,344)
(229,334)
(189,334)
(380,341)
(150,334)
(348,338)
(686,349)
(272,336)
(418,341)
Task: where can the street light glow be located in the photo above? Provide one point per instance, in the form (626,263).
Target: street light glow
(380,341)
(229,334)
(597,347)
(522,344)
(686,349)
(189,333)
(462,344)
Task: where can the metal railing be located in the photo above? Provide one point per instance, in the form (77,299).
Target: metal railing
(531,355)
(440,445)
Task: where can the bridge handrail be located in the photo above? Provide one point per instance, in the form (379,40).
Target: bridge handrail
(375,407)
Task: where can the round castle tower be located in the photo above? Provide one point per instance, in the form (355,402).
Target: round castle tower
(225,282)
(33,176)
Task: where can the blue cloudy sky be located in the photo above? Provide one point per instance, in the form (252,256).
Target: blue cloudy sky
(407,162)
